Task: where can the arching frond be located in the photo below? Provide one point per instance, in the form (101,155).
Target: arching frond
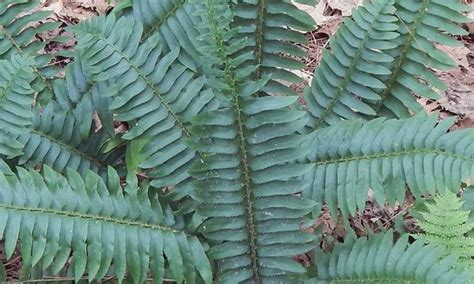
(151,90)
(423,25)
(247,177)
(53,140)
(350,70)
(384,155)
(379,260)
(100,225)
(272,31)
(18,28)
(16,103)
(382,56)
(173,20)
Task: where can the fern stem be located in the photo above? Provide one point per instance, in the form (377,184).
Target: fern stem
(94,218)
(245,167)
(259,36)
(394,154)
(163,19)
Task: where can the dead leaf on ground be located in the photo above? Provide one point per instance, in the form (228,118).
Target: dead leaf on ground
(345,6)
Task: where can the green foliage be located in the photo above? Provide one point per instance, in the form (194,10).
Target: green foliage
(350,70)
(246,179)
(379,260)
(18,29)
(53,216)
(272,30)
(384,155)
(445,223)
(16,99)
(150,89)
(173,150)
(381,56)
(423,25)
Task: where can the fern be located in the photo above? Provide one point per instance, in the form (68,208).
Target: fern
(423,24)
(247,178)
(384,155)
(16,100)
(444,223)
(271,29)
(80,214)
(229,176)
(379,260)
(157,98)
(173,20)
(53,140)
(380,57)
(351,69)
(17,37)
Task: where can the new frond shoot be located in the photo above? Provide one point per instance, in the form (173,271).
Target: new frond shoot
(445,223)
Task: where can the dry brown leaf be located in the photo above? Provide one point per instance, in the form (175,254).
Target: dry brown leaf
(345,6)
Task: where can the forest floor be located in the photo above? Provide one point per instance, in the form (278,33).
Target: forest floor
(457,101)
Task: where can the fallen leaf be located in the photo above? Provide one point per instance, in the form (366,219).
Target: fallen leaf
(345,6)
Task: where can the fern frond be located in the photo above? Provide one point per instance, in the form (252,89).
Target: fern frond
(247,177)
(423,24)
(350,70)
(18,28)
(173,20)
(445,223)
(151,90)
(379,260)
(351,157)
(16,103)
(272,30)
(53,140)
(53,217)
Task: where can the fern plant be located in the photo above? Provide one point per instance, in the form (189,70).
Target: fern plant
(174,150)
(445,223)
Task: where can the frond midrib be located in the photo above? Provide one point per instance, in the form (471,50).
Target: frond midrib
(148,83)
(390,83)
(396,279)
(259,37)
(20,52)
(245,167)
(83,155)
(157,25)
(393,154)
(94,218)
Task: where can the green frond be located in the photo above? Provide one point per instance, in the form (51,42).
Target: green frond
(247,178)
(16,103)
(151,90)
(273,29)
(383,155)
(173,20)
(379,260)
(223,63)
(18,29)
(350,70)
(423,25)
(445,223)
(82,97)
(101,226)
(380,57)
(53,140)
